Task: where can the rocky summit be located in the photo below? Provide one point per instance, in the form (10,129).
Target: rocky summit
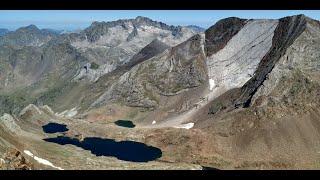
(241,94)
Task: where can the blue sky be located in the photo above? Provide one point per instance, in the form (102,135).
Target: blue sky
(79,19)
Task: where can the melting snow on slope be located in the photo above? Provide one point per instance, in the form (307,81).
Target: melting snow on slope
(40,160)
(185,126)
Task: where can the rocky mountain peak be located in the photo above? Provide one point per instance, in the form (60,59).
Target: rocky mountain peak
(142,18)
(198,29)
(30,28)
(220,33)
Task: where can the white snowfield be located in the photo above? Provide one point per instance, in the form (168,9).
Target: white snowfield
(185,126)
(40,160)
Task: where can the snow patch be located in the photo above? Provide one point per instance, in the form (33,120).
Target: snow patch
(185,126)
(72,112)
(211,84)
(40,160)
(68,113)
(28,153)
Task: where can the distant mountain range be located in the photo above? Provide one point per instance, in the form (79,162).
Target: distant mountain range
(3,31)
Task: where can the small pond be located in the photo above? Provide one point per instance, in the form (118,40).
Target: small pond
(123,150)
(54,128)
(125,123)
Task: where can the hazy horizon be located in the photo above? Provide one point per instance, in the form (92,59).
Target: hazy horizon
(79,19)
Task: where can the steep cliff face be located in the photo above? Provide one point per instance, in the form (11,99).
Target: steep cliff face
(237,61)
(282,36)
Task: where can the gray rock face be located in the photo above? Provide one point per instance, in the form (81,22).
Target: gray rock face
(133,34)
(286,32)
(154,48)
(169,73)
(114,43)
(236,63)
(8,122)
(299,59)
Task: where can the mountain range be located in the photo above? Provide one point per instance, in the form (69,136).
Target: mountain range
(242,94)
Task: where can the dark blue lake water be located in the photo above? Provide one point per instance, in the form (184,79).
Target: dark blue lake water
(123,150)
(54,128)
(125,123)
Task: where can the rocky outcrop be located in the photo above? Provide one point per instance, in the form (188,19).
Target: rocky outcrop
(9,123)
(133,34)
(219,34)
(14,160)
(288,30)
(31,109)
